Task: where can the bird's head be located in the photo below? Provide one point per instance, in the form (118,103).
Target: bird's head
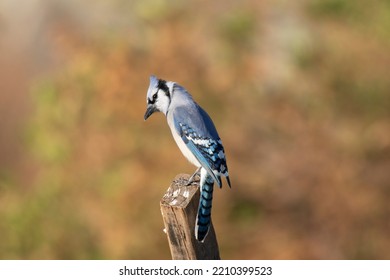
(158,97)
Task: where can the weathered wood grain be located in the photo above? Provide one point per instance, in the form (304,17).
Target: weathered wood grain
(179,207)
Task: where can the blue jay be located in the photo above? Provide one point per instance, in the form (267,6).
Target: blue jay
(197,138)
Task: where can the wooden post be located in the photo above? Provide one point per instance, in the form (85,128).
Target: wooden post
(179,207)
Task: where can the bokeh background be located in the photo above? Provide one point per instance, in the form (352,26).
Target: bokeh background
(299,91)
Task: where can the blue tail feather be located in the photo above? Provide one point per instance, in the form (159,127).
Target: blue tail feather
(203,220)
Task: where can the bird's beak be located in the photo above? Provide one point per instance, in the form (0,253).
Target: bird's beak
(149,111)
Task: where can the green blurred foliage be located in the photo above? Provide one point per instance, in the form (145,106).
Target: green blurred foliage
(298,91)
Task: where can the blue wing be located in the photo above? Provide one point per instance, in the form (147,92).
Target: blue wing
(198,151)
(200,136)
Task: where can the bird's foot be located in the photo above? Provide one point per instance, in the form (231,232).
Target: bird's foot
(192,178)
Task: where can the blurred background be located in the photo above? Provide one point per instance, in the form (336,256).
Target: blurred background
(299,91)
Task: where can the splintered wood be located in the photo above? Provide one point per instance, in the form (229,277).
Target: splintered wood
(179,207)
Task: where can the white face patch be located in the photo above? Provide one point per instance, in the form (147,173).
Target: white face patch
(162,102)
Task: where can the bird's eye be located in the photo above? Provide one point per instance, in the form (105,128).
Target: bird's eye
(155,96)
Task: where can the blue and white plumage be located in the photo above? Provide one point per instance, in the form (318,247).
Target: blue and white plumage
(197,138)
